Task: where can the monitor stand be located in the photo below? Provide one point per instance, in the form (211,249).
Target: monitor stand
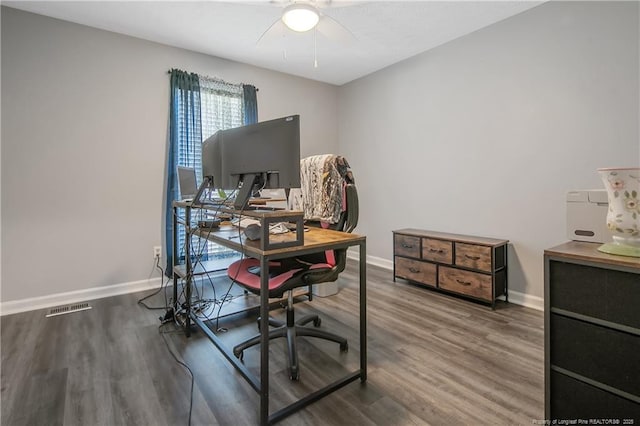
(204,185)
(250,182)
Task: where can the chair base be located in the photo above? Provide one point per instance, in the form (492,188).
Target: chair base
(292,329)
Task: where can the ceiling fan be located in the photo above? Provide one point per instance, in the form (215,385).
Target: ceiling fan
(304,16)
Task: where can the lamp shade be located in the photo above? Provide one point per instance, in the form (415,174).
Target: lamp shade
(300,17)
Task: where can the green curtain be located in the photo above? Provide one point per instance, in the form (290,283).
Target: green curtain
(185,129)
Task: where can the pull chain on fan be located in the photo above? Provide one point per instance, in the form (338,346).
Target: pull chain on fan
(315,48)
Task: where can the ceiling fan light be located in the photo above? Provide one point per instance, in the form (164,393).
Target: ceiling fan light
(300,17)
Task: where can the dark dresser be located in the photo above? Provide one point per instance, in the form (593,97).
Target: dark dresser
(592,335)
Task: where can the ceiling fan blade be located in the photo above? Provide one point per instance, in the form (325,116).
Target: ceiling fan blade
(275,30)
(332,4)
(276,3)
(334,30)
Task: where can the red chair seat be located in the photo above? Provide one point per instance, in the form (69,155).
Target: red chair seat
(239,272)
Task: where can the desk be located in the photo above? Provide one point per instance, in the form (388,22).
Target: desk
(315,240)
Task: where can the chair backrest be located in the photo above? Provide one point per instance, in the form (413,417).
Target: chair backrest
(315,268)
(337,259)
(349,218)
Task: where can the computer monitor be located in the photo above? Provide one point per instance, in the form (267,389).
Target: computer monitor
(252,157)
(187,182)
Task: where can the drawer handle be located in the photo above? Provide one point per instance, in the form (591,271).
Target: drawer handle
(459,281)
(472,257)
(414,270)
(407,245)
(432,250)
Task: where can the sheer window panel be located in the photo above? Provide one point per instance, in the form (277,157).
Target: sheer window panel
(221,107)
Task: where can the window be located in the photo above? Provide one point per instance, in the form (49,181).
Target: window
(221,107)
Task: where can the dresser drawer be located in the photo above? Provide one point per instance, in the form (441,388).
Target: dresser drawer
(600,293)
(415,270)
(406,245)
(607,356)
(473,256)
(465,282)
(573,399)
(437,250)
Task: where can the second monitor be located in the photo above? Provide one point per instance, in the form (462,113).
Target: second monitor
(253,157)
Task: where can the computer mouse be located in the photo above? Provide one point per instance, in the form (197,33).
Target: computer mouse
(253,231)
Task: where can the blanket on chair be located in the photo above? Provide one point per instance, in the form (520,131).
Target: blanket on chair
(321,195)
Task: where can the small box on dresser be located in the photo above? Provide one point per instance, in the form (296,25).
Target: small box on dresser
(592,335)
(469,266)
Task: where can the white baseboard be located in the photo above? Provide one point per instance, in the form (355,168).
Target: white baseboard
(515,297)
(526,300)
(42,302)
(371,260)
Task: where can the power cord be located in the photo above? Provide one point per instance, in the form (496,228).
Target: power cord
(183,364)
(198,259)
(162,286)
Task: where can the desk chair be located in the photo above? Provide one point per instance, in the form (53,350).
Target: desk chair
(288,274)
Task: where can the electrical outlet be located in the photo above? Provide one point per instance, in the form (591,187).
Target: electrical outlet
(157,251)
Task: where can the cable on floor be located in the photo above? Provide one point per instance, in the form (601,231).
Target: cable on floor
(183,364)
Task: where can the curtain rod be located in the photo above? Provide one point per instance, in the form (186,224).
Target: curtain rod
(222,81)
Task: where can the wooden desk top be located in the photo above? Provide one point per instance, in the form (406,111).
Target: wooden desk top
(580,250)
(259,207)
(315,240)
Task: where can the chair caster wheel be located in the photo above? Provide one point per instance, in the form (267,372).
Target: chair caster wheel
(317,322)
(344,347)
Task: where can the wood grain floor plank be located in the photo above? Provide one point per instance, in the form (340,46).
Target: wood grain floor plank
(433,359)
(88,382)
(46,397)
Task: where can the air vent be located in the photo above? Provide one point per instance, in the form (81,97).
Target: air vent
(61,310)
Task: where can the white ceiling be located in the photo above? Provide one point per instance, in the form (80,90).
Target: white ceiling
(380,33)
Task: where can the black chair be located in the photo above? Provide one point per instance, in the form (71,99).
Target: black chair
(288,274)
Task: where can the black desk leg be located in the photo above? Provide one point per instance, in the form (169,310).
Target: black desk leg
(264,341)
(189,278)
(363,311)
(506,275)
(174,245)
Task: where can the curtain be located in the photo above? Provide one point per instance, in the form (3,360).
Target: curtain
(250,104)
(222,108)
(185,133)
(222,105)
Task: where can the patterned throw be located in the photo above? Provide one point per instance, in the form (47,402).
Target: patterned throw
(321,196)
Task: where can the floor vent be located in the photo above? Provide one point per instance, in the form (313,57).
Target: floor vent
(61,310)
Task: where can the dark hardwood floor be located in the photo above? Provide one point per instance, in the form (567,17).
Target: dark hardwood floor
(433,359)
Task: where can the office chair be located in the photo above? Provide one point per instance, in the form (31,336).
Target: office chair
(288,274)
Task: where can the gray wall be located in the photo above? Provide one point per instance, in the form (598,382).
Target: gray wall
(483,135)
(84,125)
(486,134)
